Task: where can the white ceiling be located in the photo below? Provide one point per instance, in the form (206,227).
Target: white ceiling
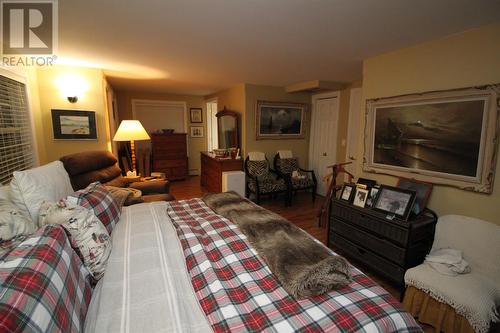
(201,46)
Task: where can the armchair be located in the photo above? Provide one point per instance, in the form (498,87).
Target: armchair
(90,166)
(302,180)
(262,180)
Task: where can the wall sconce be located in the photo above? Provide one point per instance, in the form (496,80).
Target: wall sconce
(71,86)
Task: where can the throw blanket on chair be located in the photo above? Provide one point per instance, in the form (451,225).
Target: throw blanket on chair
(304,267)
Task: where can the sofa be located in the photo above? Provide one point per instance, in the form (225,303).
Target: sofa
(90,166)
(459,303)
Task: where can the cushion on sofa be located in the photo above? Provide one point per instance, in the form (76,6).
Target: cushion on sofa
(89,234)
(97,197)
(31,187)
(78,163)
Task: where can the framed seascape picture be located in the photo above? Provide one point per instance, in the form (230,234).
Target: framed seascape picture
(445,137)
(74,125)
(276,120)
(423,190)
(196,131)
(196,115)
(393,200)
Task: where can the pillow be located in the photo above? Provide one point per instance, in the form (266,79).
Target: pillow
(87,232)
(125,196)
(13,222)
(46,183)
(97,197)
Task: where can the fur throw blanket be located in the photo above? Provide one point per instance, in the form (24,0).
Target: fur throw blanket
(303,266)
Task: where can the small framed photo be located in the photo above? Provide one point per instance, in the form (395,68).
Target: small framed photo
(196,115)
(360,197)
(196,131)
(348,192)
(423,190)
(394,200)
(372,196)
(74,125)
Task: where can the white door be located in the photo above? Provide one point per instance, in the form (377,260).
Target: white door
(323,144)
(212,137)
(353,131)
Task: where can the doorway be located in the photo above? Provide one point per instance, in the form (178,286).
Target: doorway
(323,143)
(212,135)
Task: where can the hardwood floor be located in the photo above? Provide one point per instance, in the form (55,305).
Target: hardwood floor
(302,213)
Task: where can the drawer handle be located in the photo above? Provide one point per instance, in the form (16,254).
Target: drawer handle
(360,250)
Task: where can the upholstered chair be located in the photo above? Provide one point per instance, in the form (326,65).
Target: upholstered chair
(297,178)
(262,180)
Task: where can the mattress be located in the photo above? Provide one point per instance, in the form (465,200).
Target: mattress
(161,250)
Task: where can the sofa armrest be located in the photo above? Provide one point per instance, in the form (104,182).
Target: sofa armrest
(152,186)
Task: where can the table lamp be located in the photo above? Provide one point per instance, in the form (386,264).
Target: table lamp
(131,130)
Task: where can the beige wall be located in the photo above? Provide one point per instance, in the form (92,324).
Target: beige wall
(233,99)
(461,60)
(300,147)
(195,145)
(46,95)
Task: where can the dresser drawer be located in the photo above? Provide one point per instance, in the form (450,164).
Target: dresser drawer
(377,263)
(390,231)
(378,245)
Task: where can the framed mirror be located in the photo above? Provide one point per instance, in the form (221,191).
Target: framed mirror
(227,129)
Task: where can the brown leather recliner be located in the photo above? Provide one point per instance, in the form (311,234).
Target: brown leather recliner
(100,165)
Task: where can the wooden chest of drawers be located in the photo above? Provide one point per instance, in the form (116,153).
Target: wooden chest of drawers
(170,155)
(388,247)
(212,169)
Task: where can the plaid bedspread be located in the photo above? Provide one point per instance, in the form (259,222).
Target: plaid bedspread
(238,293)
(44,285)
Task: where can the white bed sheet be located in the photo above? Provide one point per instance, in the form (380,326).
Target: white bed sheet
(146,287)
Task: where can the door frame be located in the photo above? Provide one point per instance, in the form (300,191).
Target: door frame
(314,99)
(354,119)
(210,123)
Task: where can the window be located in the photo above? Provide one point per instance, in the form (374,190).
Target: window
(17,151)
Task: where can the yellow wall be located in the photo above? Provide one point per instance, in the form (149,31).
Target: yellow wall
(45,89)
(299,147)
(195,145)
(233,99)
(461,60)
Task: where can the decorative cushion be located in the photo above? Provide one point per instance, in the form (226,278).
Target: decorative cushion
(125,196)
(31,187)
(298,183)
(97,197)
(287,165)
(258,168)
(268,185)
(87,232)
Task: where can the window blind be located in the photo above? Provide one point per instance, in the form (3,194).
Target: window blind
(16,142)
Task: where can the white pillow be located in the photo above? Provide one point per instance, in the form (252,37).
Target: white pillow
(13,223)
(89,234)
(30,188)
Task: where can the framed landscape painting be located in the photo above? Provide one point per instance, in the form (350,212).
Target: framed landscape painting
(276,120)
(446,137)
(74,125)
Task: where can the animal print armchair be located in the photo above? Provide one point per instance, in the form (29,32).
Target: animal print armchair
(262,180)
(297,178)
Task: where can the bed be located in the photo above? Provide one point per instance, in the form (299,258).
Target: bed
(179,267)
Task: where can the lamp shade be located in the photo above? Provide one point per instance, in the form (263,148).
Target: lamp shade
(131,130)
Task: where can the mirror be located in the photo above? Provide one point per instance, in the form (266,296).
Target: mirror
(227,129)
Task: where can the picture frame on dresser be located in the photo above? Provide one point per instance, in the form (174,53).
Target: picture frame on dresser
(395,201)
(347,193)
(360,197)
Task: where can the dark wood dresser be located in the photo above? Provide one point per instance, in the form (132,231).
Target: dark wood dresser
(389,247)
(212,169)
(170,155)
